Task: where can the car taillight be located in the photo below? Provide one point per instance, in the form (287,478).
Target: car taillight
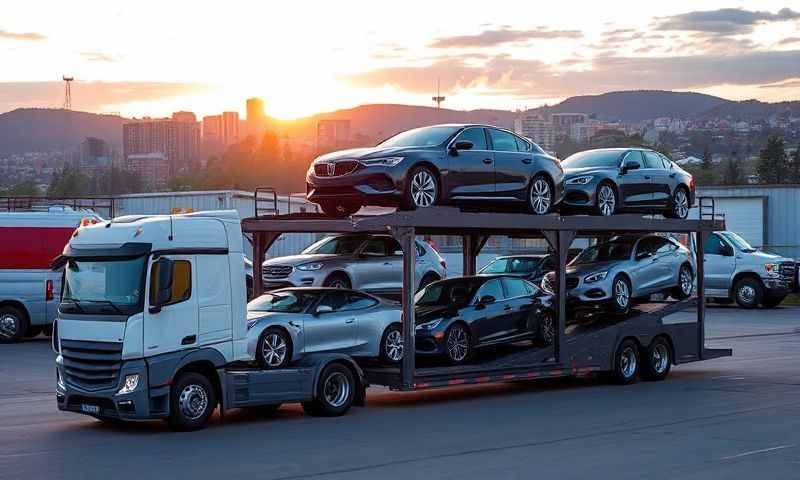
(48,290)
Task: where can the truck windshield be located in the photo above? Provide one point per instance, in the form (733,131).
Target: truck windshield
(604,253)
(104,286)
(739,242)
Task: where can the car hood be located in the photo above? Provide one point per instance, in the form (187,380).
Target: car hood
(430,313)
(294,260)
(361,153)
(587,268)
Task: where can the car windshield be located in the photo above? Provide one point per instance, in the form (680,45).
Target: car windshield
(284,302)
(604,252)
(512,265)
(456,291)
(593,158)
(339,245)
(739,242)
(420,137)
(104,284)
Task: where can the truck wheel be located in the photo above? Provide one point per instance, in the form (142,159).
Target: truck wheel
(392,344)
(274,348)
(659,360)
(748,292)
(335,391)
(685,284)
(620,301)
(772,302)
(13,324)
(626,362)
(192,401)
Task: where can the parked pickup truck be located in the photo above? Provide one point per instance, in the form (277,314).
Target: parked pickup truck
(735,271)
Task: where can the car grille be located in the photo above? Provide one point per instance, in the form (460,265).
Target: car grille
(339,168)
(572,282)
(277,271)
(91,365)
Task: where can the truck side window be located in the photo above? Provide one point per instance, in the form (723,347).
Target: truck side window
(713,245)
(181,282)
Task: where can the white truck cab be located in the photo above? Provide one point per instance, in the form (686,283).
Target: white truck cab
(152,324)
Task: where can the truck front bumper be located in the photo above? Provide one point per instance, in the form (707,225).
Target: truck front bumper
(140,404)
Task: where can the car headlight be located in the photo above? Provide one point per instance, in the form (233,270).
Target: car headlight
(382,161)
(309,267)
(583,180)
(130,384)
(547,285)
(429,325)
(595,277)
(773,269)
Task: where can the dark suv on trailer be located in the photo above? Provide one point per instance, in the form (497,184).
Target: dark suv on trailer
(440,164)
(610,180)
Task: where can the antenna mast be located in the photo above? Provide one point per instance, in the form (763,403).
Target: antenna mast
(67,92)
(438,98)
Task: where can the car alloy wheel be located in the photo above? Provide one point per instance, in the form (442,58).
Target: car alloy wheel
(457,344)
(606,200)
(394,346)
(423,188)
(681,208)
(274,350)
(621,293)
(686,281)
(338,283)
(548,329)
(541,197)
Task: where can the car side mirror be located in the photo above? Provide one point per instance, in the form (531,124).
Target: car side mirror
(323,309)
(460,145)
(486,300)
(632,165)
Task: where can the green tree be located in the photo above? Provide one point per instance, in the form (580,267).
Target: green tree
(25,188)
(772,165)
(795,170)
(68,182)
(732,174)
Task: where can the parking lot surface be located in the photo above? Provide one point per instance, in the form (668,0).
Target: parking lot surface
(733,417)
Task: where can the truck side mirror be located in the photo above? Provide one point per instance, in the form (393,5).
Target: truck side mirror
(163,285)
(727,250)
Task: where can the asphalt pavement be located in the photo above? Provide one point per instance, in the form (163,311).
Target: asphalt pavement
(735,417)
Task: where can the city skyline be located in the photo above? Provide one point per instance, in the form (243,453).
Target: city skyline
(302,64)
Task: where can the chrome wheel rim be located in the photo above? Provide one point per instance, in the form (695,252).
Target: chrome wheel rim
(660,358)
(681,204)
(457,344)
(548,329)
(686,281)
(8,326)
(394,346)
(607,200)
(193,401)
(747,294)
(621,293)
(540,196)
(336,389)
(627,362)
(423,189)
(274,350)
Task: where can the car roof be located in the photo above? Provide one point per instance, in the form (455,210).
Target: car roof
(317,290)
(525,255)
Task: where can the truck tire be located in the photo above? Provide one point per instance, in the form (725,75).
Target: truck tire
(748,292)
(657,363)
(626,363)
(335,391)
(13,324)
(192,400)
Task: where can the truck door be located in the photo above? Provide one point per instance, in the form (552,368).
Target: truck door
(172,325)
(719,264)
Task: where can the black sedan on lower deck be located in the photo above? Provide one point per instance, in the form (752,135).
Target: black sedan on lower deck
(454,317)
(454,164)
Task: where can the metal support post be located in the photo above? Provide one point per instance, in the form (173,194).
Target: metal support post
(405,236)
(701,296)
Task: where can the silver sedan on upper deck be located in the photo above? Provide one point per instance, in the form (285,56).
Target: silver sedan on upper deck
(283,325)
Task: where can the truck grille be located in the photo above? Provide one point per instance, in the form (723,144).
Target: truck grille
(339,168)
(277,271)
(91,365)
(787,272)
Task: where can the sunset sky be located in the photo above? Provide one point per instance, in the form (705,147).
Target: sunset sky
(154,57)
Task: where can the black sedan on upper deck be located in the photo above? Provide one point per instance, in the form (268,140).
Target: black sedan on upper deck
(438,165)
(611,180)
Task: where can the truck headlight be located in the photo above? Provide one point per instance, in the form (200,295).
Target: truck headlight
(582,180)
(429,325)
(383,161)
(130,384)
(595,277)
(773,269)
(309,267)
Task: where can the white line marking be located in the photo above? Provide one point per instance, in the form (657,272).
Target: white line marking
(756,452)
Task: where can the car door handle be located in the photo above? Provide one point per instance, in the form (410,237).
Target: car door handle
(647,177)
(507,308)
(387,263)
(294,324)
(487,161)
(527,161)
(672,175)
(350,320)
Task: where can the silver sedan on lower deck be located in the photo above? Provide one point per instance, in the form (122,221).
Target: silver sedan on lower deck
(283,325)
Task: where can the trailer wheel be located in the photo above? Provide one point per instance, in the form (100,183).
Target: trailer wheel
(192,401)
(335,392)
(13,324)
(626,362)
(658,362)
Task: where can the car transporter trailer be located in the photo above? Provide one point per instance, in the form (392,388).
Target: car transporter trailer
(577,349)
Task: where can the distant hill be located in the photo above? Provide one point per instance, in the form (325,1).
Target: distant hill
(751,110)
(638,105)
(44,129)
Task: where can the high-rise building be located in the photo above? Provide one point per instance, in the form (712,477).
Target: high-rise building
(153,169)
(256,116)
(178,141)
(184,117)
(562,122)
(221,130)
(535,127)
(95,155)
(230,128)
(332,134)
(212,129)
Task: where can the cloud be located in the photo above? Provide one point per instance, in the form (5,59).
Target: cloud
(25,36)
(97,57)
(490,38)
(90,96)
(724,21)
(789,84)
(789,40)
